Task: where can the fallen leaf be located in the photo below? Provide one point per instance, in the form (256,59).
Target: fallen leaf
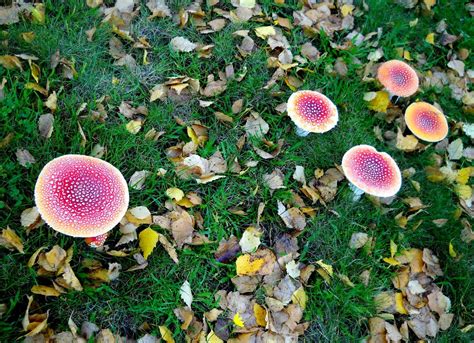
(274,180)
(250,240)
(147,241)
(24,157)
(238,321)
(45,125)
(182,44)
(45,290)
(258,263)
(186,293)
(166,334)
(380,102)
(358,240)
(10,240)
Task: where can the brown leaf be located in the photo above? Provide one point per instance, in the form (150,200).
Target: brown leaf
(182,228)
(274,180)
(227,250)
(24,157)
(45,125)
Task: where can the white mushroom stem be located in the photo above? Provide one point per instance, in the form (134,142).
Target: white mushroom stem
(300,132)
(357,192)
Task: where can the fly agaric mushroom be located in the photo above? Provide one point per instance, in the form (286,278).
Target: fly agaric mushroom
(311,111)
(426,122)
(398,78)
(81,196)
(372,172)
(98,241)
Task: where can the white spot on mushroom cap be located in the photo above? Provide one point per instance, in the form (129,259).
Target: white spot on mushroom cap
(81,196)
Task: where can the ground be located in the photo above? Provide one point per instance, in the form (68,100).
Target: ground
(335,312)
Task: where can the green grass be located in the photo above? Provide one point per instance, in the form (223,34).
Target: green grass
(335,312)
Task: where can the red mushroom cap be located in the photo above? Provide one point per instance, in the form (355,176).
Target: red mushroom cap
(98,241)
(398,77)
(426,122)
(312,111)
(373,172)
(81,196)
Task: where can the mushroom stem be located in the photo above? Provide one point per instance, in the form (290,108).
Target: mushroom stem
(300,132)
(357,192)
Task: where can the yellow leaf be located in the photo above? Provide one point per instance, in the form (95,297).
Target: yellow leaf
(430,38)
(391,261)
(380,102)
(238,321)
(327,268)
(324,275)
(38,14)
(433,174)
(192,135)
(33,257)
(463,175)
(299,297)
(399,304)
(452,252)
(265,31)
(429,4)
(346,9)
(393,248)
(10,239)
(28,36)
(145,57)
(260,314)
(166,334)
(246,266)
(35,70)
(406,143)
(10,62)
(134,126)
(36,87)
(139,215)
(147,241)
(45,290)
(463,191)
(407,55)
(213,338)
(175,193)
(51,102)
(71,279)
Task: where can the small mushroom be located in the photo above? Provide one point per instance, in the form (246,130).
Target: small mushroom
(311,111)
(426,122)
(96,242)
(81,196)
(372,172)
(398,78)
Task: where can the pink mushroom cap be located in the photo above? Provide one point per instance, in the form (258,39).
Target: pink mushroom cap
(398,77)
(312,111)
(81,196)
(426,122)
(374,172)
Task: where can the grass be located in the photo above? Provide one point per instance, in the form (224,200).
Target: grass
(335,312)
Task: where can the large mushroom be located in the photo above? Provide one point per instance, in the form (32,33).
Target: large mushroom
(426,122)
(372,172)
(398,78)
(81,196)
(311,111)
